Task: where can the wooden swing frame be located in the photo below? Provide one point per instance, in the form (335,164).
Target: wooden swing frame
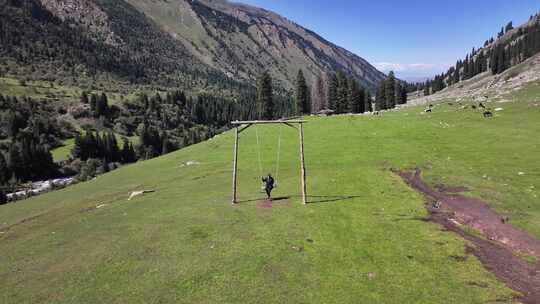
(241,126)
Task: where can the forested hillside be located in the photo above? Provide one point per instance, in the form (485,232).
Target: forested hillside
(37,44)
(511,47)
(242,40)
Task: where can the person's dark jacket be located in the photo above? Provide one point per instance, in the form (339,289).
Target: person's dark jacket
(269,182)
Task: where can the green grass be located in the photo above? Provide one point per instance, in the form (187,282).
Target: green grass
(64,152)
(49,91)
(185,243)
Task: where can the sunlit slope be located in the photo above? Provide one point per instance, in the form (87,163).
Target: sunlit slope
(360,241)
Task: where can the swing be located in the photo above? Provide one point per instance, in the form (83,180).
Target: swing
(241,126)
(263,186)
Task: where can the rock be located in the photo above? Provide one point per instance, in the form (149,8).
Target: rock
(190,163)
(521,173)
(298,248)
(137,193)
(498,109)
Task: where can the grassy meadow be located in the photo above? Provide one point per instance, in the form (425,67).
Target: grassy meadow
(360,240)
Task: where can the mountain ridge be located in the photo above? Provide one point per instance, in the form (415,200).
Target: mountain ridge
(238,40)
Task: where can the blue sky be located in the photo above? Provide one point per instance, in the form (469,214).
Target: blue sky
(416,38)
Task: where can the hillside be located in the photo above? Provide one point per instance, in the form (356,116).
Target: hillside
(363,238)
(486,86)
(213,46)
(502,64)
(240,40)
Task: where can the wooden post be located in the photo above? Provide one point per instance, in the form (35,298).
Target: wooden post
(235,164)
(302,165)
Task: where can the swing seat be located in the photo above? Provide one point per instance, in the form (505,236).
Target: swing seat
(263,187)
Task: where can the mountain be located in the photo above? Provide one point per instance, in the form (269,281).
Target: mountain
(502,64)
(241,40)
(96,44)
(185,43)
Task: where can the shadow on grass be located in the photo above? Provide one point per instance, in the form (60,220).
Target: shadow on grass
(275,199)
(311,199)
(319,199)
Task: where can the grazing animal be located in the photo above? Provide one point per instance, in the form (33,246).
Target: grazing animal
(473,107)
(488,114)
(428,110)
(481,105)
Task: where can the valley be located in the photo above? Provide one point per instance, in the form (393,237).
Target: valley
(116,155)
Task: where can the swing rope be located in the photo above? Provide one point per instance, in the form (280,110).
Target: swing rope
(258,150)
(259,157)
(278,152)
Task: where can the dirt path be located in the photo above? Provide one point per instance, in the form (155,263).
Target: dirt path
(499,251)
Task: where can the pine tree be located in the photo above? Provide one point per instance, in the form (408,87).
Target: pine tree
(132,155)
(368,104)
(509,27)
(265,98)
(4,170)
(126,153)
(380,97)
(404,96)
(356,97)
(93,103)
(77,150)
(427,89)
(3,197)
(165,144)
(318,95)
(399,94)
(332,92)
(15,161)
(302,96)
(104,166)
(342,101)
(102,106)
(390,91)
(84,98)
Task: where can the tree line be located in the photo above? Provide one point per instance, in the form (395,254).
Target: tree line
(330,92)
(28,130)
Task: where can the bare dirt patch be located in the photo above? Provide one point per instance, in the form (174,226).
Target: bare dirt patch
(502,244)
(274,202)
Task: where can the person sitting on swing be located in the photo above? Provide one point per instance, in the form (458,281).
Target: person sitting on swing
(268,185)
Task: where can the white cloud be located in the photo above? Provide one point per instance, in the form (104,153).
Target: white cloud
(410,67)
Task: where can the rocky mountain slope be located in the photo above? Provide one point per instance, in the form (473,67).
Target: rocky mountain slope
(241,40)
(175,43)
(486,87)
